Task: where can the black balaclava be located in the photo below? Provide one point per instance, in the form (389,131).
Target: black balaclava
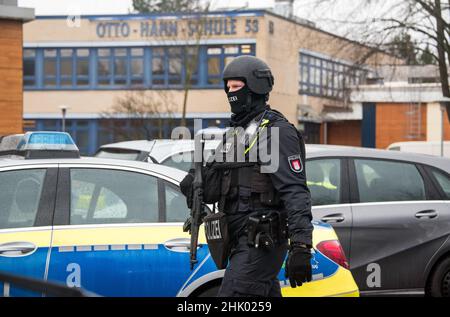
(238,100)
(245,105)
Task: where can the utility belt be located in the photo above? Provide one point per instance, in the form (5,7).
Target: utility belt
(241,188)
(264,231)
(267,230)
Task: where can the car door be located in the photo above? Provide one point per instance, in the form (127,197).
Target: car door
(27,196)
(110,237)
(176,213)
(327,182)
(396,225)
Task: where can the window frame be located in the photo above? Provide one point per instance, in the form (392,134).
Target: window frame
(55,77)
(146,80)
(339,72)
(353,180)
(34,59)
(163,198)
(344,191)
(428,170)
(59,75)
(76,60)
(63,195)
(46,205)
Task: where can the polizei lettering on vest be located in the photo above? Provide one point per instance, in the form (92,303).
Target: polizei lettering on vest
(213,230)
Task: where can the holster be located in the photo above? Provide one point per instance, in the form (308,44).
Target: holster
(216,231)
(267,230)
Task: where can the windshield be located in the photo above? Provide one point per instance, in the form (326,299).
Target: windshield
(119,154)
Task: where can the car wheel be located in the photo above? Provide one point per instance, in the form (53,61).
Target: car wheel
(210,292)
(440,280)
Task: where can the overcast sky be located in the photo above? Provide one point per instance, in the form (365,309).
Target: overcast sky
(326,16)
(302,8)
(54,7)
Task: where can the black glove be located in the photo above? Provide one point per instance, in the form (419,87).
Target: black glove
(187,188)
(298,265)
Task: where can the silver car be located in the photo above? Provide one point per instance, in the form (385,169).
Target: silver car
(174,153)
(391,211)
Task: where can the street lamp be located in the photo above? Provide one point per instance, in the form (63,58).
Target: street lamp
(64,109)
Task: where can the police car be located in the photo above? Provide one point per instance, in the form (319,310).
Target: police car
(114,227)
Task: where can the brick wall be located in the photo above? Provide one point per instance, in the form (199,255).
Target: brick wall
(343,133)
(392,124)
(446,127)
(11,102)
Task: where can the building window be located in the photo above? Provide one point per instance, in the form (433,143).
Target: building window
(90,134)
(219,56)
(158,66)
(325,77)
(214,65)
(82,66)
(137,67)
(191,69)
(29,67)
(129,67)
(104,67)
(66,68)
(50,67)
(175,65)
(120,66)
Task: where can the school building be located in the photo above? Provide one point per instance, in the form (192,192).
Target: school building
(128,76)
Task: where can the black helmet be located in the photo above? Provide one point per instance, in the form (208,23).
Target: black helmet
(256,73)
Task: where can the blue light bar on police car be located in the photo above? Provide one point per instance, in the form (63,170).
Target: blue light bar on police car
(40,144)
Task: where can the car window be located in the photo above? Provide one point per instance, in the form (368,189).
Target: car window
(324,181)
(176,207)
(380,180)
(20,193)
(118,154)
(112,196)
(444,182)
(182,161)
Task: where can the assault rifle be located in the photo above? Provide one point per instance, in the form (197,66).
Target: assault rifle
(198,210)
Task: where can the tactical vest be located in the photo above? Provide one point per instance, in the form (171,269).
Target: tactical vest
(243,188)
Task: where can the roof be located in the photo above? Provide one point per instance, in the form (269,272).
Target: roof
(173,173)
(10,11)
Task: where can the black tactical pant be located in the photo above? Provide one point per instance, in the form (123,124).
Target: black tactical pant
(253,272)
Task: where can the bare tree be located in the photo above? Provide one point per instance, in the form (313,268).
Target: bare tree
(196,11)
(145,108)
(426,20)
(191,60)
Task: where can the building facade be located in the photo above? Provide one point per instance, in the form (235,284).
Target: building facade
(11,89)
(129,76)
(406,109)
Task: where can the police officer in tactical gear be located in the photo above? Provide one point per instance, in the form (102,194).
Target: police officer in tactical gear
(266,214)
